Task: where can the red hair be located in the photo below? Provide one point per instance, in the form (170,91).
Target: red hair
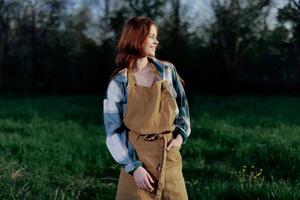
(130,45)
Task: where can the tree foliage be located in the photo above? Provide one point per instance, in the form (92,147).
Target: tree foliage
(59,46)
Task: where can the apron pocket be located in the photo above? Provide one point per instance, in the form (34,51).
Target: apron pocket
(174,155)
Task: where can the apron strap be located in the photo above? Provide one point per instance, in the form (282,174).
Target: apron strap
(131,79)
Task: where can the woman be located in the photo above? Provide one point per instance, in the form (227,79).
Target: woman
(146,117)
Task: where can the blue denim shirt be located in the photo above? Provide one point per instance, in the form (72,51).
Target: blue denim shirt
(115,102)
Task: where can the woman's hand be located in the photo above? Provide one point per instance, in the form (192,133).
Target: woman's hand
(142,179)
(175,142)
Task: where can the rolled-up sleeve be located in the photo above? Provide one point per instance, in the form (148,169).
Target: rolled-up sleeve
(116,133)
(182,121)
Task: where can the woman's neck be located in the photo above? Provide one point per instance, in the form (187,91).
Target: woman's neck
(141,63)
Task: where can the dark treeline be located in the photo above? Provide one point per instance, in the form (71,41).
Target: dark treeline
(56,46)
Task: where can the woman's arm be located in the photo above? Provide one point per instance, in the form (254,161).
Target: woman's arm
(116,133)
(182,120)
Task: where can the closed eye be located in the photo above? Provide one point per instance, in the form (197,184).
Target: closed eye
(155,38)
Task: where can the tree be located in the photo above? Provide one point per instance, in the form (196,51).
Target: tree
(234,31)
(291,13)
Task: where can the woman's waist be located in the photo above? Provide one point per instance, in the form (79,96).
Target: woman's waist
(150,136)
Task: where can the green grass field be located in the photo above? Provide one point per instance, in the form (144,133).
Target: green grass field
(240,148)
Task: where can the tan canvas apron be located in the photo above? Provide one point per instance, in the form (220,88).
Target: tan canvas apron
(149,117)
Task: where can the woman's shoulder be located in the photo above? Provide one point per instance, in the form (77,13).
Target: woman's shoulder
(120,76)
(166,64)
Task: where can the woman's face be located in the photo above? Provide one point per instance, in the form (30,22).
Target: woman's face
(151,42)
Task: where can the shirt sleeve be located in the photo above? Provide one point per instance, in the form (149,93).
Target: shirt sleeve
(116,133)
(182,120)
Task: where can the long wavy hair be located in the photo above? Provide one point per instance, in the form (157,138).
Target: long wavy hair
(130,45)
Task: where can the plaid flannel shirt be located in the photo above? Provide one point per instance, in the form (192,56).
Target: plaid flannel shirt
(115,102)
